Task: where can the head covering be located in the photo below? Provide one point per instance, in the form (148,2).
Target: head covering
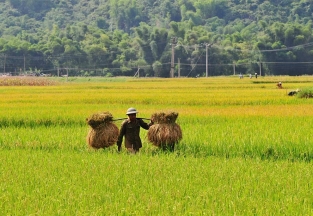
(131,110)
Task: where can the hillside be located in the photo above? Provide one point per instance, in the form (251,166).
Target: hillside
(117,37)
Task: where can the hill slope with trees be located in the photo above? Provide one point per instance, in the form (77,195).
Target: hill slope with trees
(117,37)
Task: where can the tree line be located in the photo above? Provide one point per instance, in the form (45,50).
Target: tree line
(122,37)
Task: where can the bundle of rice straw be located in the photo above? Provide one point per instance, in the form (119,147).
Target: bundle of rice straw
(99,118)
(103,133)
(164,131)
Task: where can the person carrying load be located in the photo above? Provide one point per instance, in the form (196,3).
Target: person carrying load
(130,129)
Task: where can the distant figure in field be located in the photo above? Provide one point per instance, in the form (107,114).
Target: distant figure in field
(294,92)
(279,85)
(256,75)
(250,76)
(240,76)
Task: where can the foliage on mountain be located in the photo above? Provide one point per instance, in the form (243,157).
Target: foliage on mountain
(122,37)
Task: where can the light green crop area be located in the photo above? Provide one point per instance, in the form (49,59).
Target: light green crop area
(247,148)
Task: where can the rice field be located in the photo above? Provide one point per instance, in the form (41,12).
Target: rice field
(247,148)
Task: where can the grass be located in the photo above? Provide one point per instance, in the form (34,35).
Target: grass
(246,149)
(97,183)
(306,93)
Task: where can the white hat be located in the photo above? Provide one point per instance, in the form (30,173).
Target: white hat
(131,111)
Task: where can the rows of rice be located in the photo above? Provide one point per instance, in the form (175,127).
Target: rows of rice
(165,130)
(103,132)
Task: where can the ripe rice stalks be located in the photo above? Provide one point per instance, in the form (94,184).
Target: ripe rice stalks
(164,117)
(97,119)
(165,131)
(26,81)
(103,133)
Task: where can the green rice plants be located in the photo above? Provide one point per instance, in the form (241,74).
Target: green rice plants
(103,182)
(305,93)
(246,149)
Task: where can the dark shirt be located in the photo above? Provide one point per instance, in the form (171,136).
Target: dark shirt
(131,131)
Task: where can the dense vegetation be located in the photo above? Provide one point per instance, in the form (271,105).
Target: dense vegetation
(116,37)
(247,148)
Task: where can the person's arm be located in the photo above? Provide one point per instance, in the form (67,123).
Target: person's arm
(145,125)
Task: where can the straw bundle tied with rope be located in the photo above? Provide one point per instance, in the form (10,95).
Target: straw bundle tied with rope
(103,133)
(164,131)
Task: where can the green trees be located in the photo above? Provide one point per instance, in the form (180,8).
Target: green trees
(121,36)
(153,42)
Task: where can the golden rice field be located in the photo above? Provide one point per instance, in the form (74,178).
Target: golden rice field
(247,148)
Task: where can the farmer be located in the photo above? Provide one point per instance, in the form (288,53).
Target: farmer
(131,130)
(279,85)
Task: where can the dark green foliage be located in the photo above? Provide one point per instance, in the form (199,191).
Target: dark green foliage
(305,93)
(124,35)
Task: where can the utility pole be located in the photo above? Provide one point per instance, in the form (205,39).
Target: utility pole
(178,67)
(24,64)
(5,58)
(174,41)
(137,72)
(206,59)
(66,74)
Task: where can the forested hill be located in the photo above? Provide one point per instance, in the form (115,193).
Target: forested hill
(117,37)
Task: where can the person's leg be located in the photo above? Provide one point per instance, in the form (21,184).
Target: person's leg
(131,150)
